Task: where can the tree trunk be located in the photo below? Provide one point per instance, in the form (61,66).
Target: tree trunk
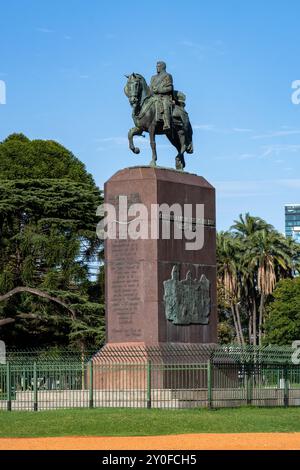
(261,316)
(235,325)
(250,327)
(84,385)
(254,316)
(238,316)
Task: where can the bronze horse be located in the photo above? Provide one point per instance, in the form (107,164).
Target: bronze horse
(145,117)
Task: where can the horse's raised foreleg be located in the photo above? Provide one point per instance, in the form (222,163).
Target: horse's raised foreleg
(134,131)
(153,145)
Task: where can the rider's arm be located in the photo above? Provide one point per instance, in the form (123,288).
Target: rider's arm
(166,87)
(152,87)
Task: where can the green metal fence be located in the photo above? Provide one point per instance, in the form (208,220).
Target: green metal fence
(172,377)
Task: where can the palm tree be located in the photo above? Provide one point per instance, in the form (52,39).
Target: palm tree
(248,297)
(228,250)
(243,228)
(293,250)
(266,254)
(248,225)
(252,258)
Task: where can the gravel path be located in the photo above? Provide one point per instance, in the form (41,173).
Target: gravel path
(253,441)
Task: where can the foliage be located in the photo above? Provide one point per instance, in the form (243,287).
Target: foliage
(252,258)
(47,239)
(283,313)
(225,333)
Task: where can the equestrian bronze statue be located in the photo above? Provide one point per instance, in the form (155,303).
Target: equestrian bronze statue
(159,109)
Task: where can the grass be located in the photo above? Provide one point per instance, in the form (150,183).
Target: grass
(126,422)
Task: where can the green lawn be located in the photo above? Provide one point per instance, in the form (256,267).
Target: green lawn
(121,422)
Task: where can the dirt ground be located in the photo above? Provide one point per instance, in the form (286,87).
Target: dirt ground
(253,441)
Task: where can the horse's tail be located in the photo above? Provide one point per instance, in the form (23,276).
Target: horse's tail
(190,147)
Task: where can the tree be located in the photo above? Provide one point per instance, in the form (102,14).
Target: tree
(283,313)
(244,229)
(252,258)
(228,249)
(248,225)
(266,251)
(47,239)
(225,335)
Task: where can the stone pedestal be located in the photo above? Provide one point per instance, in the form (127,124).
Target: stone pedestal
(136,270)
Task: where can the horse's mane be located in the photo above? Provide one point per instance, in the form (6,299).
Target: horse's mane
(143,80)
(146,89)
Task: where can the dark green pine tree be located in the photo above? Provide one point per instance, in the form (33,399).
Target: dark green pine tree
(48,205)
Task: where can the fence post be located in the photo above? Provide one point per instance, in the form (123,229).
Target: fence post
(149,369)
(209,384)
(286,386)
(91,384)
(249,384)
(35,388)
(8,386)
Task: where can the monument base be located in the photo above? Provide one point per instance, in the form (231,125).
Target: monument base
(136,366)
(161,308)
(152,272)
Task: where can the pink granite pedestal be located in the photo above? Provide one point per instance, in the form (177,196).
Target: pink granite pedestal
(136,269)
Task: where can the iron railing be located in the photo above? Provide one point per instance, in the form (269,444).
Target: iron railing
(158,377)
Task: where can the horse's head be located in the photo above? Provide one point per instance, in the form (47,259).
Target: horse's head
(133,89)
(136,90)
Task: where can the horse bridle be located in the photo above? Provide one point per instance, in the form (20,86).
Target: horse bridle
(133,91)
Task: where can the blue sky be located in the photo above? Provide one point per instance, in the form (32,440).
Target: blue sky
(64,62)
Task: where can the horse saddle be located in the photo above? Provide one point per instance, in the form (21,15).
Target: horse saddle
(179,98)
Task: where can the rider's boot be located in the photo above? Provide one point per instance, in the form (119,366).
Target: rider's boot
(166,115)
(167,125)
